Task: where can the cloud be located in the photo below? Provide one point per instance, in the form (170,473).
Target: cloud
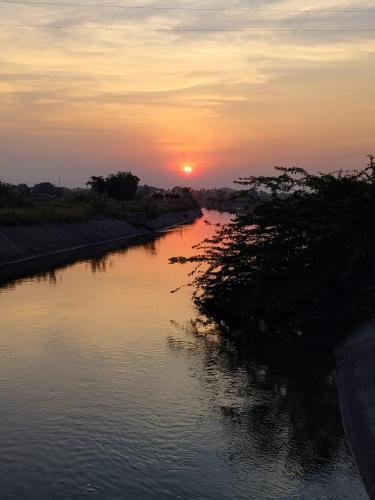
(203,88)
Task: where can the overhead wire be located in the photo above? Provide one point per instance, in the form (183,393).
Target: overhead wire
(182,30)
(214,9)
(118,8)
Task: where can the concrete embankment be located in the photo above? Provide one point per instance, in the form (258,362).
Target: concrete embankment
(170,219)
(25,242)
(355,379)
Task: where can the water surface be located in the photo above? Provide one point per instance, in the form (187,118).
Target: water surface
(111,389)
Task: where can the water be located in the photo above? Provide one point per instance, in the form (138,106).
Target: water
(110,389)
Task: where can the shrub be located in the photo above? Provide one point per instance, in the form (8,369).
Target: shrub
(301,264)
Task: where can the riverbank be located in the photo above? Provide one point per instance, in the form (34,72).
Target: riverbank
(355,379)
(21,243)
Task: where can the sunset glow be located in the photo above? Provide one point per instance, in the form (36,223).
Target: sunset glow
(81,101)
(187,169)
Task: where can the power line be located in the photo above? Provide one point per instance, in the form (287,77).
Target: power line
(210,9)
(173,30)
(307,14)
(119,8)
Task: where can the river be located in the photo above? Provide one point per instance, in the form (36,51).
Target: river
(112,388)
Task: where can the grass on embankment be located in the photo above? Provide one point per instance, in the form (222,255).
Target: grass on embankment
(80,208)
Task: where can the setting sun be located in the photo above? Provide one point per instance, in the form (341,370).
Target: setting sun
(187,169)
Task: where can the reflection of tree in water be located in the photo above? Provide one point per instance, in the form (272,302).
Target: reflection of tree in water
(50,277)
(100,264)
(153,244)
(151,247)
(275,403)
(98,259)
(43,277)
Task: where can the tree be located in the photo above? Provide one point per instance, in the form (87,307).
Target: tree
(301,265)
(22,189)
(47,189)
(97,184)
(120,186)
(5,194)
(5,189)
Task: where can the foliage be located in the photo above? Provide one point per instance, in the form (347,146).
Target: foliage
(43,213)
(97,184)
(5,193)
(120,186)
(11,196)
(83,205)
(301,264)
(112,197)
(47,189)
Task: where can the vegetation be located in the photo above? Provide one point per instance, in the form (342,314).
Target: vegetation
(301,265)
(228,199)
(47,189)
(120,186)
(48,203)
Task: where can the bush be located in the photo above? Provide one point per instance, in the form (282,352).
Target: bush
(12,196)
(300,266)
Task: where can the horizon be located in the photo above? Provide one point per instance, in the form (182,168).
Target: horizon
(193,185)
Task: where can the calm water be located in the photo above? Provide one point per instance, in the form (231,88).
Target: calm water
(110,389)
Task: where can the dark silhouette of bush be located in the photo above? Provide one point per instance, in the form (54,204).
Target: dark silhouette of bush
(97,184)
(14,196)
(22,190)
(47,189)
(5,193)
(301,265)
(120,186)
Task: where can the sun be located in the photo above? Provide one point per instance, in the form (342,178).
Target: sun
(187,169)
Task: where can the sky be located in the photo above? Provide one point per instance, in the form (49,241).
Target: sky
(230,88)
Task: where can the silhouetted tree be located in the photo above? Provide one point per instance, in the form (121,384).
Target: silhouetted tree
(47,189)
(22,189)
(120,186)
(97,184)
(4,189)
(301,263)
(5,193)
(13,196)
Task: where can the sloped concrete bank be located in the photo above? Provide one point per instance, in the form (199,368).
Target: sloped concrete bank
(355,379)
(171,219)
(26,242)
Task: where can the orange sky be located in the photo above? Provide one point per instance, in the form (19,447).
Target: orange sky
(151,98)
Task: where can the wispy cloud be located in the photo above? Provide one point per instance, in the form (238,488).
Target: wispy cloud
(200,87)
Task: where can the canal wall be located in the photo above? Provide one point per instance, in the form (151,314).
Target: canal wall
(355,379)
(26,242)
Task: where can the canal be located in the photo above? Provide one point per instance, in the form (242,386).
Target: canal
(111,388)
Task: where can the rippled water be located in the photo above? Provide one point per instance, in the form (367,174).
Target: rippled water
(110,389)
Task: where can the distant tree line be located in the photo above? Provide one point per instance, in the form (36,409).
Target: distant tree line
(228,199)
(120,186)
(21,194)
